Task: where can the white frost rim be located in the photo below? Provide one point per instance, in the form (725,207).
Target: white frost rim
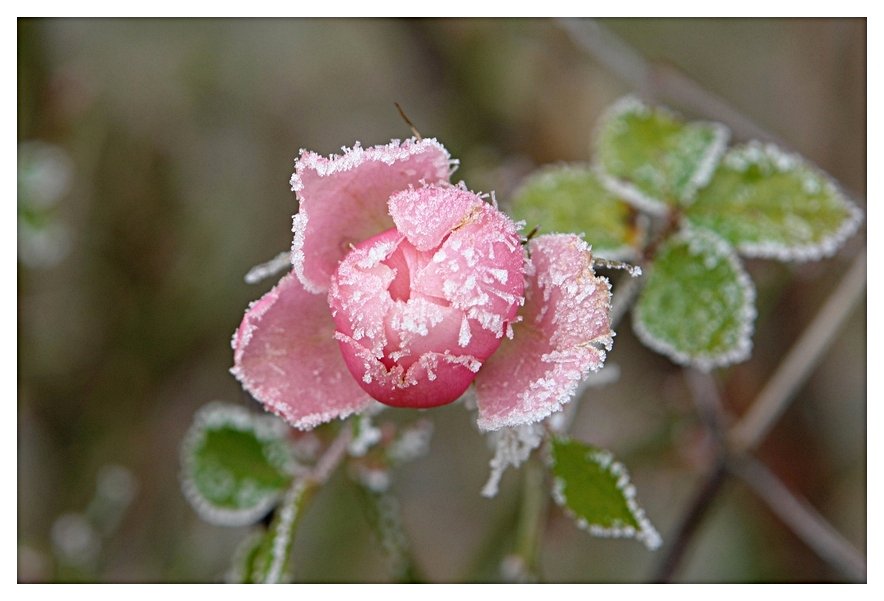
(746,314)
(217,415)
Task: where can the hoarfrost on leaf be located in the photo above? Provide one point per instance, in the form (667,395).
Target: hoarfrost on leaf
(264,557)
(234,464)
(571,198)
(771,204)
(697,306)
(596,492)
(652,158)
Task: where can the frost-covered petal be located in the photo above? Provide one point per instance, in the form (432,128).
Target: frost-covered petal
(286,356)
(414,324)
(343,199)
(563,336)
(426,215)
(433,379)
(402,348)
(478,270)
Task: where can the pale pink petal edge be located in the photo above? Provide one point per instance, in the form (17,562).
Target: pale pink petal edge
(351,158)
(558,356)
(338,397)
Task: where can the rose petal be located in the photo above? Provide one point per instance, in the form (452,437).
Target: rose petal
(286,356)
(562,338)
(478,270)
(343,199)
(403,351)
(426,215)
(434,379)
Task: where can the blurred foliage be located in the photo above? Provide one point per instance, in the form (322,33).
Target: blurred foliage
(180,136)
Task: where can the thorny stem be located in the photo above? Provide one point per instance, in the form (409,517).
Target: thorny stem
(332,457)
(707,401)
(711,411)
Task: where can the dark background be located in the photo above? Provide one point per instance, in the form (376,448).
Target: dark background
(154,158)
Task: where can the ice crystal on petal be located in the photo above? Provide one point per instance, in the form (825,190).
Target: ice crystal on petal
(420,306)
(343,199)
(512,448)
(423,282)
(564,335)
(286,357)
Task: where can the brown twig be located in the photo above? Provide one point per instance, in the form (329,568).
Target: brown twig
(801,359)
(405,118)
(802,519)
(699,506)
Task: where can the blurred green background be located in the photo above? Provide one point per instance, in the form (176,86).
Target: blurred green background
(154,158)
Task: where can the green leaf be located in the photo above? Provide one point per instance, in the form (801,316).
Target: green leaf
(248,558)
(697,305)
(571,198)
(265,556)
(235,464)
(771,204)
(596,491)
(652,158)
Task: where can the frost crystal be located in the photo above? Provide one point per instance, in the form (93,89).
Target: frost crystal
(513,446)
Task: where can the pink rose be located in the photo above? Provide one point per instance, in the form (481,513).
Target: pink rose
(406,289)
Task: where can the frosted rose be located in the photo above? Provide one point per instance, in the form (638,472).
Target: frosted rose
(419,307)
(406,289)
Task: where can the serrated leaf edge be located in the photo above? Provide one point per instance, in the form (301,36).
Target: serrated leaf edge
(218,414)
(700,177)
(646,533)
(784,163)
(747,313)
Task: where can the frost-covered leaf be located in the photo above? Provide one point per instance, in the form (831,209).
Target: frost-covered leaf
(771,204)
(595,490)
(697,305)
(652,158)
(264,557)
(570,198)
(235,464)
